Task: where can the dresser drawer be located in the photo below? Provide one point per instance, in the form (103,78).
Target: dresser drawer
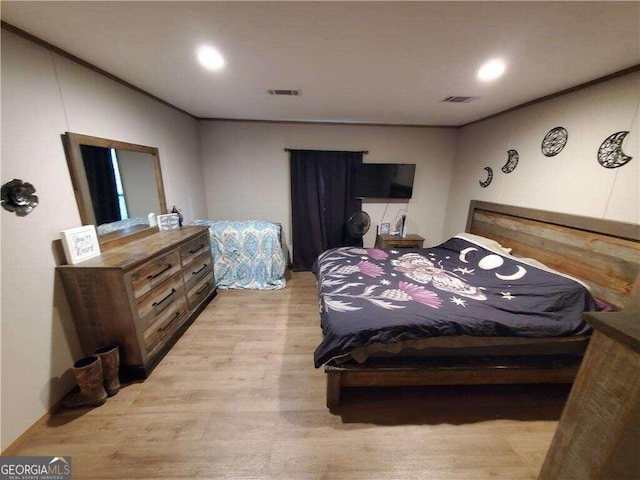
(152,304)
(200,291)
(154,272)
(165,325)
(193,249)
(197,270)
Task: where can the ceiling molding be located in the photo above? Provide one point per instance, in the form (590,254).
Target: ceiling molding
(63,53)
(327,123)
(606,78)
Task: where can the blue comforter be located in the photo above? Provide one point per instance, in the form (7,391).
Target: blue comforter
(246,254)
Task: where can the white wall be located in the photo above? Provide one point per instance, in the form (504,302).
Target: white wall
(44,95)
(572,181)
(246,169)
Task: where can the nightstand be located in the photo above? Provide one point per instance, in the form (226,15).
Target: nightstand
(391,241)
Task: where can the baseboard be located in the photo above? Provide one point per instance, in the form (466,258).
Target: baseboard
(17,443)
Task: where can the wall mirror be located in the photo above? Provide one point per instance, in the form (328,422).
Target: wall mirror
(116,184)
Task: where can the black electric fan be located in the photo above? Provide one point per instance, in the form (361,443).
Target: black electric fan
(358,224)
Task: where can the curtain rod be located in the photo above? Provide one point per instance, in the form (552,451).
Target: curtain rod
(364,152)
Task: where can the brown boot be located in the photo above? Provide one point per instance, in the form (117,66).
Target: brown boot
(88,373)
(110,357)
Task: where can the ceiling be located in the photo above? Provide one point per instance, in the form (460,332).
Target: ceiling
(362,62)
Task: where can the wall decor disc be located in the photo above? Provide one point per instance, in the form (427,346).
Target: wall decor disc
(486,183)
(512,161)
(554,141)
(610,154)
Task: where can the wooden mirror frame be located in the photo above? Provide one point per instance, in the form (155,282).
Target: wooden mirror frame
(72,142)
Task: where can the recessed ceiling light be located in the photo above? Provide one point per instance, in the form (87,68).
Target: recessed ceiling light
(491,70)
(210,58)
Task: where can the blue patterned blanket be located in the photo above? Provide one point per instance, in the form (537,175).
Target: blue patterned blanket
(246,254)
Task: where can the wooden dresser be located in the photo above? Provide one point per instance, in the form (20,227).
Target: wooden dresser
(598,436)
(391,241)
(142,295)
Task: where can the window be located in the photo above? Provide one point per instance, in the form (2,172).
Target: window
(120,191)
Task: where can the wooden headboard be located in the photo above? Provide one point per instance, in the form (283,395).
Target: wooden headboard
(604,254)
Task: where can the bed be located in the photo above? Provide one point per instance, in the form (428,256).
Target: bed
(404,317)
(247,254)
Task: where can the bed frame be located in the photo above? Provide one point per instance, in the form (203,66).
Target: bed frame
(605,254)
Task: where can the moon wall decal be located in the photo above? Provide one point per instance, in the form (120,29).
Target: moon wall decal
(515,276)
(512,161)
(610,154)
(486,183)
(463,254)
(554,141)
(490,262)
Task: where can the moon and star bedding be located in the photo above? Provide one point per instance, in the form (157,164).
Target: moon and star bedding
(467,286)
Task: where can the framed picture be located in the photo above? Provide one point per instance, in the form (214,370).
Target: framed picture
(170,221)
(80,243)
(384,228)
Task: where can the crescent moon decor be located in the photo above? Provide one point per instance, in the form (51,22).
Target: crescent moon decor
(463,254)
(554,141)
(610,154)
(486,183)
(512,162)
(515,276)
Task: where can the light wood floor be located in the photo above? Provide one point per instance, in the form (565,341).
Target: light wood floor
(238,398)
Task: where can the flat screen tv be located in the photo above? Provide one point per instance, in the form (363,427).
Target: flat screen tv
(384,180)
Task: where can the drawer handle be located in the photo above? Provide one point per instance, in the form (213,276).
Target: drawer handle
(156,275)
(200,247)
(155,304)
(175,317)
(203,289)
(199,270)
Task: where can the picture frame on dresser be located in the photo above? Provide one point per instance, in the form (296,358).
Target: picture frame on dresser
(169,221)
(80,243)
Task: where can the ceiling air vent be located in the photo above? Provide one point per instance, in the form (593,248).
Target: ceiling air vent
(459,99)
(291,93)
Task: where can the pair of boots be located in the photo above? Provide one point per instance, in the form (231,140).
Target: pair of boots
(97,378)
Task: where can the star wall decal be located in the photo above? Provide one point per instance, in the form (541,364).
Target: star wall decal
(507,295)
(459,301)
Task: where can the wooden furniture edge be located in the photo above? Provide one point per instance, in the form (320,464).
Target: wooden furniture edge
(502,370)
(623,327)
(614,228)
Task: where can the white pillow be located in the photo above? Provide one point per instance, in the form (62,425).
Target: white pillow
(487,243)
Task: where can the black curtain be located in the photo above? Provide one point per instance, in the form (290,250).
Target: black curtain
(321,201)
(102,183)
